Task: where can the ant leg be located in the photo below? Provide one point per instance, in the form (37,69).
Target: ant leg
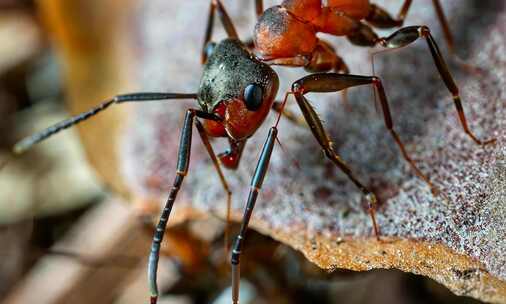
(409,34)
(336,82)
(183,160)
(324,58)
(259,10)
(401,16)
(259,7)
(390,126)
(28,142)
(227,24)
(444,25)
(291,116)
(331,82)
(256,184)
(210,151)
(297,61)
(323,55)
(379,18)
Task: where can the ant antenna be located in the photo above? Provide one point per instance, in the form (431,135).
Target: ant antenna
(26,143)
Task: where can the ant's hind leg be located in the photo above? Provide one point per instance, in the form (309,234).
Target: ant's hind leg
(216,5)
(217,166)
(331,82)
(256,184)
(408,35)
(336,82)
(379,18)
(183,161)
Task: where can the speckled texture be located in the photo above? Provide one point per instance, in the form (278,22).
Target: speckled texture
(305,199)
(229,70)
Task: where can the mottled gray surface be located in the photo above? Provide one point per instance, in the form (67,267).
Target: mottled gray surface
(316,196)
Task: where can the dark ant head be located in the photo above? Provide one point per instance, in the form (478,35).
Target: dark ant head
(238,87)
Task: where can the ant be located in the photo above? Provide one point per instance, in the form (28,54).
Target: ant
(286,34)
(236,93)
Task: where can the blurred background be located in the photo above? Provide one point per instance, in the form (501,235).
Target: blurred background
(67,237)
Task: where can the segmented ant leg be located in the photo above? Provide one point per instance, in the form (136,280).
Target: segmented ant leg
(291,116)
(401,16)
(379,18)
(256,184)
(183,160)
(28,142)
(216,5)
(444,25)
(259,7)
(297,61)
(336,82)
(390,126)
(331,82)
(205,140)
(324,59)
(408,35)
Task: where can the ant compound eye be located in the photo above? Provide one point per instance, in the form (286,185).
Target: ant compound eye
(253,96)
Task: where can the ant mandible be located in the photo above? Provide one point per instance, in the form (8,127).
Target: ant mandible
(236,93)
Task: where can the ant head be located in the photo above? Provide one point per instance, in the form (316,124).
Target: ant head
(237,87)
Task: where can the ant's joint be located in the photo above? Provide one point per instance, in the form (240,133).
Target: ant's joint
(371,198)
(424,31)
(297,88)
(181,173)
(382,42)
(375,80)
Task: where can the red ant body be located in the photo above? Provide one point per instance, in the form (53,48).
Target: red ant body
(237,91)
(286,34)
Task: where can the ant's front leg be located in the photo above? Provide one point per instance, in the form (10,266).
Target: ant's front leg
(408,35)
(259,7)
(205,140)
(207,47)
(256,184)
(183,160)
